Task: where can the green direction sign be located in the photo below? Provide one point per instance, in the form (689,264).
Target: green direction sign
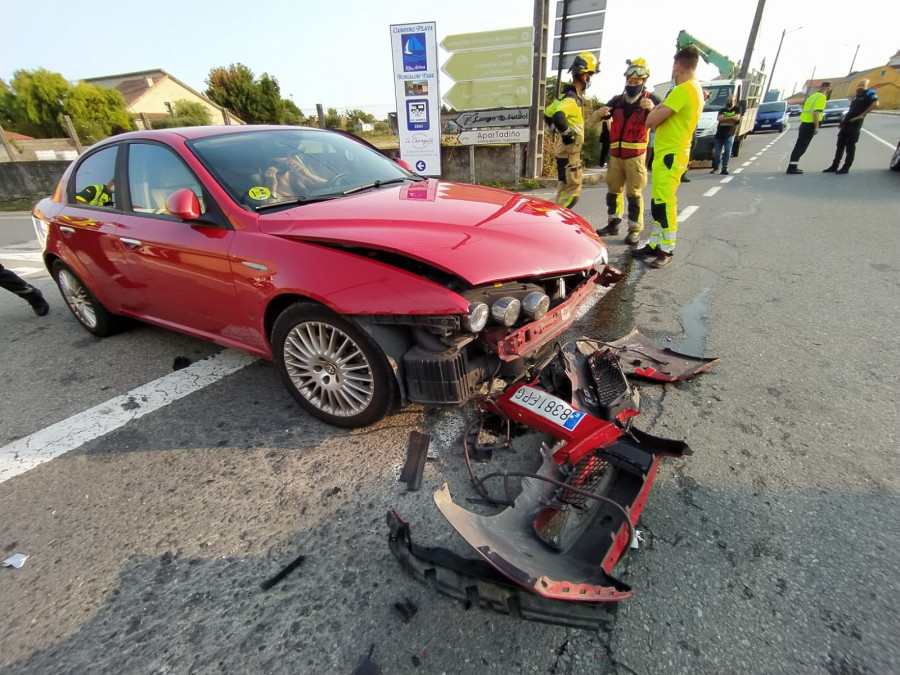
(484,64)
(509,93)
(491,38)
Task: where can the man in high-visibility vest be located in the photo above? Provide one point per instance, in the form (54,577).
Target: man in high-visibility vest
(628,143)
(96,195)
(565,116)
(674,121)
(809,125)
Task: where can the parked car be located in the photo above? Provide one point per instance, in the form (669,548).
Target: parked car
(771,116)
(366,284)
(895,159)
(834,111)
(794,110)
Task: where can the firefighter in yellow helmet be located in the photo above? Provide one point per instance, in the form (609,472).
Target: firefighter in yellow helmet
(628,138)
(565,116)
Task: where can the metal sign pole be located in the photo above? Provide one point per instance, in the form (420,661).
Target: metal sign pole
(472,164)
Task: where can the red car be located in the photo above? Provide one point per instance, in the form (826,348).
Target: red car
(366,284)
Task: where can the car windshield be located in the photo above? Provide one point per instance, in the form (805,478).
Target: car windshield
(717,97)
(840,103)
(269,167)
(773,106)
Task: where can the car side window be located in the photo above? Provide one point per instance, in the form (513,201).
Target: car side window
(94,180)
(155,172)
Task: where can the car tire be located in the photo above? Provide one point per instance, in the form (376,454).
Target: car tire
(84,305)
(331,367)
(895,159)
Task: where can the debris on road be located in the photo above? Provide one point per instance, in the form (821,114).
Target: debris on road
(16,560)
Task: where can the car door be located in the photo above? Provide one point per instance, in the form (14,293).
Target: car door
(90,232)
(183,267)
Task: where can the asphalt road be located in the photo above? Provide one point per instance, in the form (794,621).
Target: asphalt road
(773,549)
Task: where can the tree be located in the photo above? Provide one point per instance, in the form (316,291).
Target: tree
(184,114)
(332,119)
(256,101)
(357,116)
(35,101)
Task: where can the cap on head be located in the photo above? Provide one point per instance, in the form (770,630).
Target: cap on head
(825,85)
(585,62)
(637,68)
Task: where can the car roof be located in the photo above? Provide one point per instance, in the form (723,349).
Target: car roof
(193,133)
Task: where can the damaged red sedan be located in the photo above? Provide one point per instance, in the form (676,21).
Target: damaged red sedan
(367,285)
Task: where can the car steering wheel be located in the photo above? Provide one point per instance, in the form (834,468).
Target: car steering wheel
(336,180)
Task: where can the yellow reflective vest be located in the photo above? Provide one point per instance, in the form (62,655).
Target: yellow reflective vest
(811,105)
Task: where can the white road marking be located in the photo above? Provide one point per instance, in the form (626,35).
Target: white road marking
(30,256)
(726,180)
(880,140)
(686,213)
(57,439)
(746,164)
(737,171)
(712,191)
(28,272)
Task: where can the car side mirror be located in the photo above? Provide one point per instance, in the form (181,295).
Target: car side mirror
(404,164)
(184,204)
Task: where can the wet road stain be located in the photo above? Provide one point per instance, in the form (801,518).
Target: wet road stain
(694,326)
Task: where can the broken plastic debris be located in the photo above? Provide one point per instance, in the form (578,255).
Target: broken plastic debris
(638,539)
(16,560)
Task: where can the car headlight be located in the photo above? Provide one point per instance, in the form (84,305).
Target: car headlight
(506,311)
(709,131)
(477,318)
(601,260)
(535,305)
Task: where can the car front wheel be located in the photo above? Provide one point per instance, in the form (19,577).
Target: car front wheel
(895,159)
(332,367)
(89,311)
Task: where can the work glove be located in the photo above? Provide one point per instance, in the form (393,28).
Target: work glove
(568,137)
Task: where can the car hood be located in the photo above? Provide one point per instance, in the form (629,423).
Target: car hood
(479,234)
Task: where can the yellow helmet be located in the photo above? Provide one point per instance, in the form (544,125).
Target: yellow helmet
(637,68)
(585,62)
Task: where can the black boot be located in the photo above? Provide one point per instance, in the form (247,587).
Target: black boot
(612,228)
(831,169)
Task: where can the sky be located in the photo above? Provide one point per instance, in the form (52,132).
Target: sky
(338,52)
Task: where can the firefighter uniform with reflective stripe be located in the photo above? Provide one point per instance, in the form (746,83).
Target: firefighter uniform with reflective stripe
(95,195)
(569,141)
(671,154)
(627,172)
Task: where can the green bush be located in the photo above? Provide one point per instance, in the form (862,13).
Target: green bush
(590,151)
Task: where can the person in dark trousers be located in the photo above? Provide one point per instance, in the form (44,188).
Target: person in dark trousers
(865,101)
(809,125)
(16,284)
(728,118)
(604,142)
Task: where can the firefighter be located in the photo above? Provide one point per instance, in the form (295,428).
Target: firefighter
(628,136)
(565,116)
(96,195)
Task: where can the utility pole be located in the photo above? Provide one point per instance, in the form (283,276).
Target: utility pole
(534,163)
(853,63)
(751,41)
(775,63)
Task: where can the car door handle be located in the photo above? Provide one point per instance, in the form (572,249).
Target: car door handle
(130,243)
(67,231)
(255,266)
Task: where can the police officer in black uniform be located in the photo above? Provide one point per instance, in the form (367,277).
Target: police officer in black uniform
(865,101)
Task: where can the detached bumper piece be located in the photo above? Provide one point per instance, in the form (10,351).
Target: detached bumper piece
(558,543)
(639,356)
(477,584)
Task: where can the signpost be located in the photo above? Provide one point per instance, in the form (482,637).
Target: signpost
(578,28)
(501,117)
(493,74)
(414,50)
(488,136)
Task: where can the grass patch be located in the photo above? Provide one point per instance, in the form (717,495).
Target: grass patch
(17,205)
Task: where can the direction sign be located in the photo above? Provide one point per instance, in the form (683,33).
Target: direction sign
(483,64)
(581,24)
(580,7)
(476,95)
(579,43)
(501,117)
(492,136)
(491,38)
